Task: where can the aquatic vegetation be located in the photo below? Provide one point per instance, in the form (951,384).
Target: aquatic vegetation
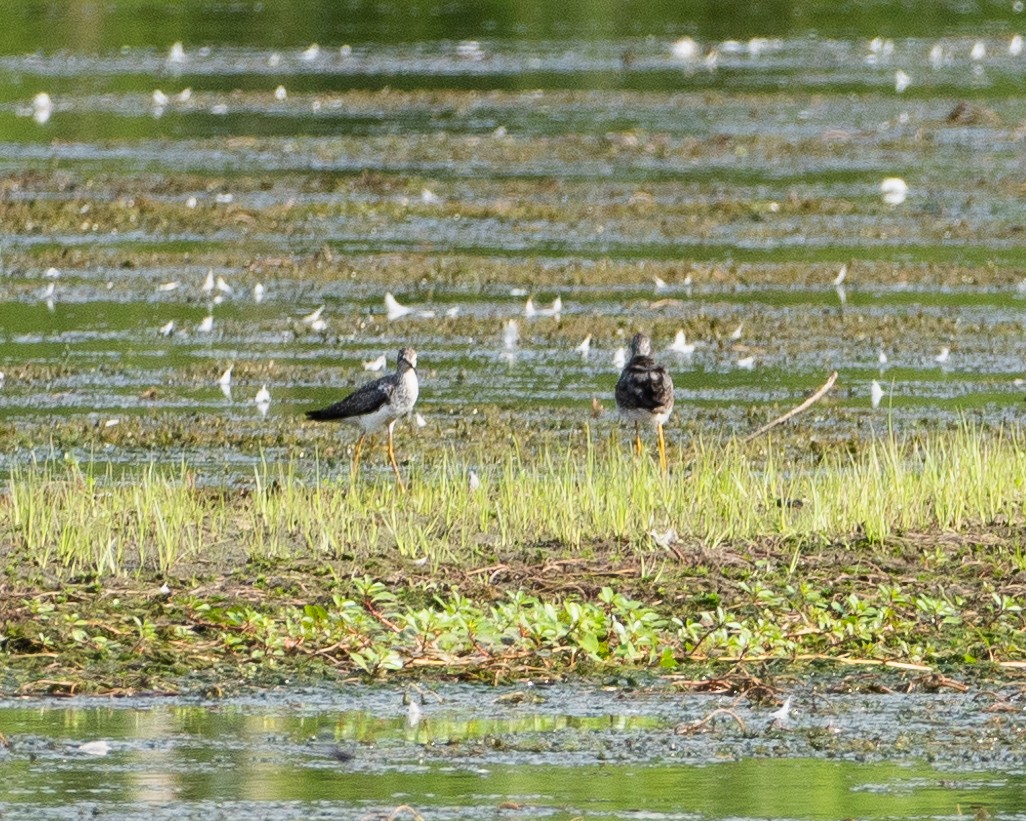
(149,512)
(519,571)
(72,518)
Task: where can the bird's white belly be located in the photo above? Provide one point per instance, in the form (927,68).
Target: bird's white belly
(645,417)
(376,420)
(411,392)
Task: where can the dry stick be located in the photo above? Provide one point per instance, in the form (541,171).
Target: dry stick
(819,394)
(405,808)
(685,729)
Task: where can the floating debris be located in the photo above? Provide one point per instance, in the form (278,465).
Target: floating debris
(225,382)
(313,316)
(377,364)
(782,716)
(893,190)
(680,345)
(263,400)
(685,49)
(510,335)
(176,54)
(42,108)
(470,50)
(94,748)
(554,310)
(585,347)
(876,393)
(664,539)
(393,310)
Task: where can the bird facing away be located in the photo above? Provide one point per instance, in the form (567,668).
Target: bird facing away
(378,404)
(644,393)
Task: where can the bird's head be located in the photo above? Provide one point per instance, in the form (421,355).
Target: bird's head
(407,356)
(641,345)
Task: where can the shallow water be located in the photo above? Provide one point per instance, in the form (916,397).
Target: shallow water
(800,116)
(559,752)
(479,146)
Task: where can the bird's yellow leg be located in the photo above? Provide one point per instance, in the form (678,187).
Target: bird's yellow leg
(637,438)
(663,463)
(356,454)
(391,458)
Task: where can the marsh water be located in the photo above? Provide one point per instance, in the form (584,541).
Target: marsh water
(704,172)
(555,752)
(690,169)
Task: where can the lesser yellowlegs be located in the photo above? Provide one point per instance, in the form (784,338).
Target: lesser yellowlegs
(377,404)
(644,393)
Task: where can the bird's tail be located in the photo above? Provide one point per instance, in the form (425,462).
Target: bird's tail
(325,414)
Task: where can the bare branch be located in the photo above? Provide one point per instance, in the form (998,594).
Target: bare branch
(819,394)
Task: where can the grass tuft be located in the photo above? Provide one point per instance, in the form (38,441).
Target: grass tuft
(71,518)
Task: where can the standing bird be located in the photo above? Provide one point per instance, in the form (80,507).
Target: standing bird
(644,393)
(377,404)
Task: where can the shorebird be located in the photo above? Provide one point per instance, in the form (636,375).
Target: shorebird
(644,393)
(378,404)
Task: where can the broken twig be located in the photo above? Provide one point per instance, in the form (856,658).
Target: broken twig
(819,394)
(695,726)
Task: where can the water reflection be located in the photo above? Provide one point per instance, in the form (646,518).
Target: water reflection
(294,28)
(553,754)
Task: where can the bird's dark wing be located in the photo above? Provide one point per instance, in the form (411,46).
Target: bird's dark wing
(364,400)
(644,385)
